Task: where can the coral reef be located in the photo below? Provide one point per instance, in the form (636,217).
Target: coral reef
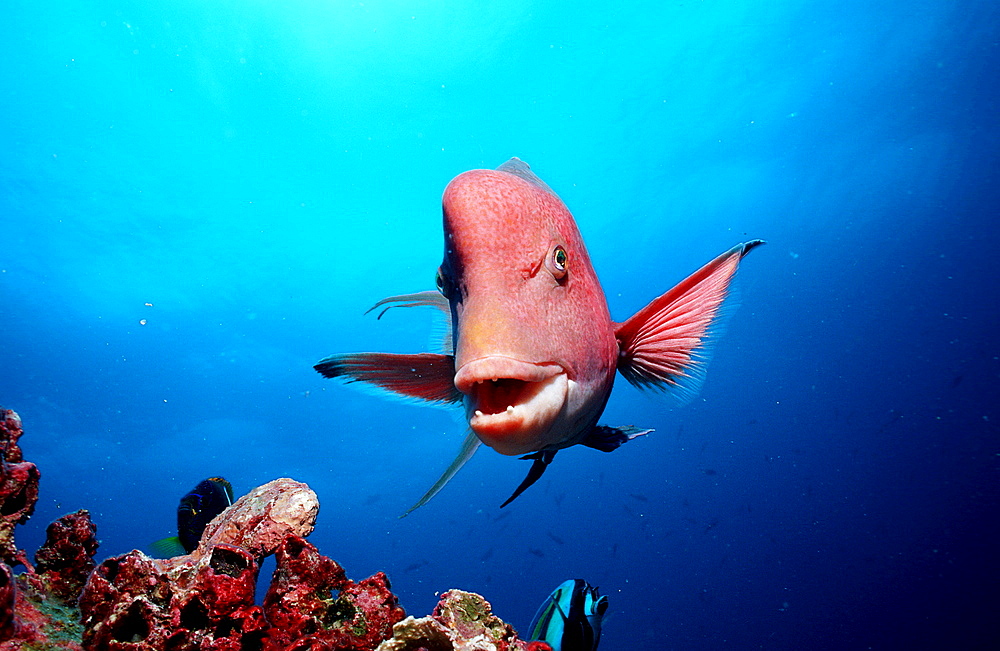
(8,595)
(65,560)
(201,600)
(37,609)
(205,603)
(18,487)
(305,614)
(462,621)
(205,600)
(261,520)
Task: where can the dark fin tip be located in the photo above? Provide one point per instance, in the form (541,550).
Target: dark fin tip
(750,246)
(329,369)
(539,462)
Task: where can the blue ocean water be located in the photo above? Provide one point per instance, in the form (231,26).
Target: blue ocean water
(200,200)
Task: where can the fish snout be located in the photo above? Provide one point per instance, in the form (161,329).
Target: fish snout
(512,405)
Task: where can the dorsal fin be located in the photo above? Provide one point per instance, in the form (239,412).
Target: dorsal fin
(429,298)
(519,168)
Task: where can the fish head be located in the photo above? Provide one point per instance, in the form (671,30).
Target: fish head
(535,350)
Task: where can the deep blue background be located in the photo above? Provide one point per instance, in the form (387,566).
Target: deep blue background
(262,172)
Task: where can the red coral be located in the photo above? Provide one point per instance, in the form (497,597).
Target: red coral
(301,606)
(207,602)
(8,620)
(204,601)
(376,611)
(106,604)
(66,559)
(538,646)
(300,594)
(18,486)
(129,603)
(468,616)
(10,432)
(462,621)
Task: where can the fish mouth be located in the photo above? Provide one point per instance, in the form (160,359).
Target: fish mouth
(512,405)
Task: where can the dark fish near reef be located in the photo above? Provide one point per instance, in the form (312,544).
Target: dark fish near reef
(533,348)
(416,566)
(197,508)
(570,619)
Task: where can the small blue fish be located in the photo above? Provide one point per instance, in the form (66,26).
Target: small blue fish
(197,508)
(570,619)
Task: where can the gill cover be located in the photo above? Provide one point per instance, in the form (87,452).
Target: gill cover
(570,619)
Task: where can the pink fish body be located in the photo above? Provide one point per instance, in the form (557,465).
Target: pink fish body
(535,349)
(529,313)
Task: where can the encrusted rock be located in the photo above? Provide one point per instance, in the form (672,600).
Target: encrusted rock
(306,613)
(18,487)
(8,594)
(462,621)
(66,559)
(33,613)
(129,602)
(10,432)
(261,520)
(302,586)
(418,634)
(204,601)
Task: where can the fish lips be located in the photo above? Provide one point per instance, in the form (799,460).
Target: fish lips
(512,405)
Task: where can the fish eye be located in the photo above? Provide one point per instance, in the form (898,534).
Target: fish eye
(559,258)
(559,261)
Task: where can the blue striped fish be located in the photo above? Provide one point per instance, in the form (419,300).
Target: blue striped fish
(570,619)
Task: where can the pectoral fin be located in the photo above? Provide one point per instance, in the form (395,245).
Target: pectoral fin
(540,461)
(609,439)
(663,345)
(469,447)
(426,376)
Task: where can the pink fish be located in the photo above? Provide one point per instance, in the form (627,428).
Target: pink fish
(534,349)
